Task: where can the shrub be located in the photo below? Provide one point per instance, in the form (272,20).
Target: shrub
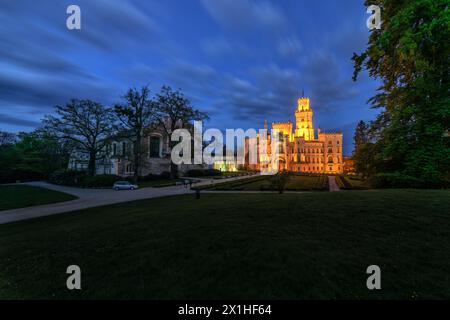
(153,177)
(100,181)
(203,173)
(81,179)
(395,180)
(11,176)
(165,175)
(66,177)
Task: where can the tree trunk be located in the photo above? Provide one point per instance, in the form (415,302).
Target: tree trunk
(173,166)
(173,170)
(92,163)
(137,156)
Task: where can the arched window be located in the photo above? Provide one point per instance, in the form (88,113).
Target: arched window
(330,159)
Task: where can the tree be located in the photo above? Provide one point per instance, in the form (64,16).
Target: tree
(280,181)
(361,134)
(410,54)
(87,124)
(135,117)
(363,153)
(7,138)
(174,111)
(34,155)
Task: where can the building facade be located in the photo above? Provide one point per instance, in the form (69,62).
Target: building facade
(117,158)
(299,148)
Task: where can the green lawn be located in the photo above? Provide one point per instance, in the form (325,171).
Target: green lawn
(306,183)
(311,245)
(19,196)
(352,183)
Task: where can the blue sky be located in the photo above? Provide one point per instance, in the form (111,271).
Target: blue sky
(242,61)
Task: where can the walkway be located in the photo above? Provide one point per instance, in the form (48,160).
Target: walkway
(333,185)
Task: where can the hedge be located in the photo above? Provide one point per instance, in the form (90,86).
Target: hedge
(12,176)
(395,180)
(81,179)
(203,173)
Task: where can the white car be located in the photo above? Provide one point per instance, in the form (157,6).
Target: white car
(124,185)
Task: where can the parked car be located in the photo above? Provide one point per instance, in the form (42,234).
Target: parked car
(124,185)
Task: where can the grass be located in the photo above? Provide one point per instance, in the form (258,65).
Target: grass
(352,183)
(311,245)
(307,183)
(20,196)
(255,183)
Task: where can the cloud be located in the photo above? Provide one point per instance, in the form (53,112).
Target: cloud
(245,14)
(289,47)
(18,121)
(217,47)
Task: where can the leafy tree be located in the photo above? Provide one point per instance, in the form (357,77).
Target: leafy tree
(361,134)
(411,55)
(87,124)
(363,153)
(135,118)
(33,156)
(174,111)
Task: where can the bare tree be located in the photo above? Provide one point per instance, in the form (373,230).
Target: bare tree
(174,111)
(7,138)
(135,118)
(87,123)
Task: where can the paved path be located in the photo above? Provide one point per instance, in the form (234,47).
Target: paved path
(89,198)
(333,185)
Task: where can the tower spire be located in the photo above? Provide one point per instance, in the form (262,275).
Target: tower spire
(303,92)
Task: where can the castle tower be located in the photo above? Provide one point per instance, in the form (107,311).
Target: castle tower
(304,122)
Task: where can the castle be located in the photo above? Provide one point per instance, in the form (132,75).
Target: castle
(299,150)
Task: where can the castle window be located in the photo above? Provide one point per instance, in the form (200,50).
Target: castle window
(330,150)
(124,148)
(155,144)
(129,168)
(114,149)
(330,159)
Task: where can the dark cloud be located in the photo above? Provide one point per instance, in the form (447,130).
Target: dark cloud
(245,14)
(241,61)
(20,122)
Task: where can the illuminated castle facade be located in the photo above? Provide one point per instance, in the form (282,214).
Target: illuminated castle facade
(299,149)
